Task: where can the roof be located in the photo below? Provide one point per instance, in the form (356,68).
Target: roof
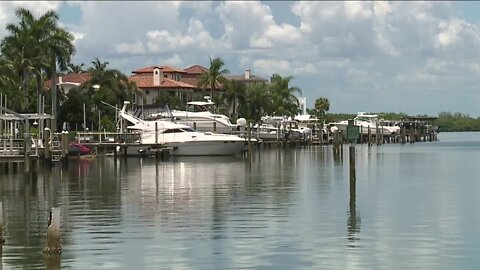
(191,81)
(253,78)
(143,81)
(195,69)
(71,78)
(166,69)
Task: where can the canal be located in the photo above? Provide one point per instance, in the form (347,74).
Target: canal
(416,207)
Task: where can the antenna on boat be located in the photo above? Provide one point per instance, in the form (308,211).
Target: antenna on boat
(111,106)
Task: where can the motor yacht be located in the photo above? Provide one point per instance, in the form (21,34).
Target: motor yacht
(180,138)
(199,116)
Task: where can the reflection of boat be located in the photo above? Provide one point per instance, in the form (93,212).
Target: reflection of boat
(366,121)
(198,116)
(80,151)
(181,139)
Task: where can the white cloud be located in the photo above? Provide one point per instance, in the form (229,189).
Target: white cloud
(175,60)
(336,49)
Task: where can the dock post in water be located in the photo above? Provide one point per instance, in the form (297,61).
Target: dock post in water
(46,143)
(53,232)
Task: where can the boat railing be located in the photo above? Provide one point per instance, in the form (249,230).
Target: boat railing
(107,137)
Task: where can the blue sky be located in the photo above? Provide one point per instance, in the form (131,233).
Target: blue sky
(413,57)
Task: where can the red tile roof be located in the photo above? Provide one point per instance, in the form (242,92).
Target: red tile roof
(72,78)
(143,81)
(166,69)
(195,69)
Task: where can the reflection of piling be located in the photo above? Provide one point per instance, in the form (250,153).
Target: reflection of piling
(336,143)
(249,141)
(369,136)
(53,232)
(2,240)
(353,220)
(52,262)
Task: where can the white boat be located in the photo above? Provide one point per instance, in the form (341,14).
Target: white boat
(366,121)
(181,139)
(280,128)
(199,116)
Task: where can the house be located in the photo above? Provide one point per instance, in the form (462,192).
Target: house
(154,80)
(247,78)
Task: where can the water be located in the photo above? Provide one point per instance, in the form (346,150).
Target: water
(416,207)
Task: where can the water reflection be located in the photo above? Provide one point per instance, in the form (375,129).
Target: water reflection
(284,209)
(353,220)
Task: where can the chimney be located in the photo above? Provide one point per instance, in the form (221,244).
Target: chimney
(157,76)
(60,80)
(247,74)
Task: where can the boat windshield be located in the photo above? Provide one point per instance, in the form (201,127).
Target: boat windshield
(179,130)
(366,119)
(197,108)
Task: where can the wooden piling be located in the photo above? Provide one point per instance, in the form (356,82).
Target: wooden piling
(53,232)
(353,179)
(46,143)
(64,141)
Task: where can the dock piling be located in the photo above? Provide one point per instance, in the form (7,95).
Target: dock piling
(53,232)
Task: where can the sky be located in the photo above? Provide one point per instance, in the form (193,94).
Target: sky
(412,57)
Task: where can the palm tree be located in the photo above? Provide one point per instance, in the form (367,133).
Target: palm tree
(214,76)
(283,95)
(107,85)
(257,102)
(37,45)
(322,105)
(234,96)
(72,68)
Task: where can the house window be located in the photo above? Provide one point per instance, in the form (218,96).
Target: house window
(165,76)
(147,92)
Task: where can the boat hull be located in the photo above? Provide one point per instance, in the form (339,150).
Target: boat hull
(227,148)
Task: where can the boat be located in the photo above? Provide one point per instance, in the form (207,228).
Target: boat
(80,151)
(281,127)
(179,139)
(365,122)
(198,115)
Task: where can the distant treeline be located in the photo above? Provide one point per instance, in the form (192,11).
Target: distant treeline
(446,121)
(457,122)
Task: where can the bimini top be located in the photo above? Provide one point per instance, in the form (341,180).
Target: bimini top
(200,106)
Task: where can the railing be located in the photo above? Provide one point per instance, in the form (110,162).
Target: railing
(107,137)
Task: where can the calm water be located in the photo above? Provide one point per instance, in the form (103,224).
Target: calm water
(416,207)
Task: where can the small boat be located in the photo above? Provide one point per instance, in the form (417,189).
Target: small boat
(80,151)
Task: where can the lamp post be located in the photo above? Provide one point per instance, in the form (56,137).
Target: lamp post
(84,118)
(96,87)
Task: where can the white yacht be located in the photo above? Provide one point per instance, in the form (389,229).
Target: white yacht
(199,116)
(182,139)
(364,121)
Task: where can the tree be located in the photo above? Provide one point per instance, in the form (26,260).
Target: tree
(257,102)
(214,76)
(107,85)
(235,95)
(322,105)
(72,68)
(283,95)
(36,45)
